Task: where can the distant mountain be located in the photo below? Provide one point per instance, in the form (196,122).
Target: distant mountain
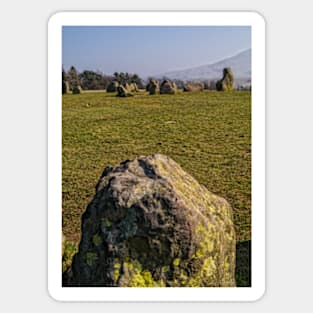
(239,63)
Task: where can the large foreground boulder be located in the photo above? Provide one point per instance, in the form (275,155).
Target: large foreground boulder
(151,224)
(168,87)
(227,82)
(193,86)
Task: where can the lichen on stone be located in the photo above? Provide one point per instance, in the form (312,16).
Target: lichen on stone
(91,258)
(97,240)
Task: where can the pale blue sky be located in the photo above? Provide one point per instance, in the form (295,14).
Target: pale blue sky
(150,50)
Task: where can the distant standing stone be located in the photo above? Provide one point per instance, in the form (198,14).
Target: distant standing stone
(153,87)
(227,82)
(123,92)
(112,86)
(193,86)
(168,87)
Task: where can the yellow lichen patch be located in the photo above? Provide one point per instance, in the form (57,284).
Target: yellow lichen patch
(176,262)
(194,282)
(148,278)
(206,271)
(139,277)
(227,266)
(229,236)
(97,240)
(160,283)
(116,272)
(208,267)
(117,265)
(206,244)
(183,278)
(137,281)
(128,265)
(165,269)
(199,253)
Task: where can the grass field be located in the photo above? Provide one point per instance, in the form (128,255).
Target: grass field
(208,133)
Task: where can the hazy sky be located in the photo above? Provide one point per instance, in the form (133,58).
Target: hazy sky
(150,50)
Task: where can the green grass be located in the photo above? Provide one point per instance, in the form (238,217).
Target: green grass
(207,133)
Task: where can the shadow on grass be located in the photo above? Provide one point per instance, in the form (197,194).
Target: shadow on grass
(243,264)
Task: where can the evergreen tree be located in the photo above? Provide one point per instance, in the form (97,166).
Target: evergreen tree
(73,78)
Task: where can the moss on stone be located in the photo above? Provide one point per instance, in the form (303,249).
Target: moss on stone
(97,240)
(165,269)
(139,277)
(91,258)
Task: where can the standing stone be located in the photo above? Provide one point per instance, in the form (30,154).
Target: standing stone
(123,92)
(227,82)
(150,224)
(153,87)
(168,87)
(65,87)
(193,86)
(132,87)
(76,90)
(112,86)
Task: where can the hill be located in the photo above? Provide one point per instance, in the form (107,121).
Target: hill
(240,64)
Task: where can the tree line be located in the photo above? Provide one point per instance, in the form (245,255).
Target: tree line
(90,80)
